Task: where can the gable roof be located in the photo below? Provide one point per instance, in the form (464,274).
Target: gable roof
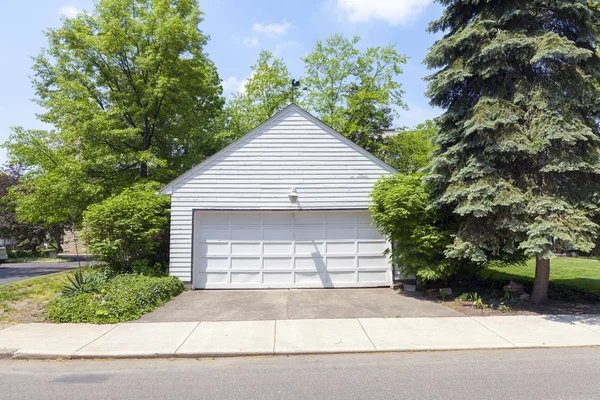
(168,189)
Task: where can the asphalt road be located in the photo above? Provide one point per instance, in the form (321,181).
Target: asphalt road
(507,374)
(18,271)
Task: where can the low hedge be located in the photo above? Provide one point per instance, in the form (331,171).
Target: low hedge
(122,298)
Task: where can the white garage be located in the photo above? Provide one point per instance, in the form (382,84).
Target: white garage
(285,206)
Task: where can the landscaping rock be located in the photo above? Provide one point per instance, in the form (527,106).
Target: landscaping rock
(515,289)
(524,297)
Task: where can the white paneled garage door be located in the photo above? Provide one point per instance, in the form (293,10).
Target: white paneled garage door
(283,249)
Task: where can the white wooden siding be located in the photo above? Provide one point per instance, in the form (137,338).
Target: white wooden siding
(258,171)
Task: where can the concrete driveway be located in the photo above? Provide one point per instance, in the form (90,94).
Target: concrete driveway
(19,271)
(255,305)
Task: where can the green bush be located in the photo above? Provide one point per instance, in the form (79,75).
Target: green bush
(130,229)
(401,209)
(125,297)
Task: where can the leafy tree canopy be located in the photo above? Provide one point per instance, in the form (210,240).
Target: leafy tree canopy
(409,150)
(354,91)
(131,94)
(266,92)
(517,150)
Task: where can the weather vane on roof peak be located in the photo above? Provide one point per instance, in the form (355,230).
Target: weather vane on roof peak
(296,86)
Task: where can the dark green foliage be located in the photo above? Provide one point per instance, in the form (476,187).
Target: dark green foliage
(401,208)
(122,298)
(517,158)
(130,231)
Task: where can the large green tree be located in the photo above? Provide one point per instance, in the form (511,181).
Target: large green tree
(267,91)
(354,90)
(517,156)
(131,95)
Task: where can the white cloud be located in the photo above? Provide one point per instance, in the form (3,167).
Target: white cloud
(395,12)
(69,11)
(234,85)
(272,29)
(250,42)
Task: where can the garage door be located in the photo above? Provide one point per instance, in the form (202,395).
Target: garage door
(288,249)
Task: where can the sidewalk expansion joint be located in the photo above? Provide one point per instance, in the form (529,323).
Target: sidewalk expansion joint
(495,333)
(366,334)
(87,344)
(187,337)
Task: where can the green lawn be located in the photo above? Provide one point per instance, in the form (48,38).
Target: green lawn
(24,301)
(581,272)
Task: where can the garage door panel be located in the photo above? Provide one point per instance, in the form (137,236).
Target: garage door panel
(277,278)
(245,219)
(372,262)
(368,233)
(340,263)
(284,263)
(310,278)
(372,247)
(314,249)
(278,219)
(309,263)
(245,277)
(205,234)
(286,233)
(245,248)
(309,233)
(242,233)
(245,263)
(277,248)
(213,249)
(213,263)
(288,249)
(205,278)
(341,218)
(345,233)
(341,277)
(214,219)
(372,276)
(341,248)
(309,218)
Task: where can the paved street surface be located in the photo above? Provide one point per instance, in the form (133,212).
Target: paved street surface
(233,305)
(295,336)
(19,271)
(493,374)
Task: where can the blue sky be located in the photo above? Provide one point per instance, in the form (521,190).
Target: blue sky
(238,30)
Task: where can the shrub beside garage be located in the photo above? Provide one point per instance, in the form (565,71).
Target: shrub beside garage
(96,297)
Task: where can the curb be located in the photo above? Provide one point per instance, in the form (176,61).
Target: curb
(14,355)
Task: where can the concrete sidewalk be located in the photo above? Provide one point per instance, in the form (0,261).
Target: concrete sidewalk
(281,337)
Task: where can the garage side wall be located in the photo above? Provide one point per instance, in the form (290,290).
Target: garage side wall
(292,150)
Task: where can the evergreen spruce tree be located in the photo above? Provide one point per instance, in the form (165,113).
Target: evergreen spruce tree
(518,158)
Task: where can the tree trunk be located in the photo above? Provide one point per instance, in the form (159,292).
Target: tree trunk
(144,170)
(58,237)
(542,278)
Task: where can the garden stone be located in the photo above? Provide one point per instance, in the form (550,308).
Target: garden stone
(515,289)
(524,297)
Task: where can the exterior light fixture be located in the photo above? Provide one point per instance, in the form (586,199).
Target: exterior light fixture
(293,195)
